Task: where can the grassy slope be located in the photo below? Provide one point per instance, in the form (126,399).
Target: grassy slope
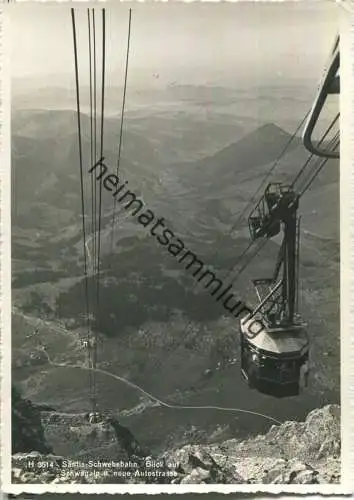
(164,359)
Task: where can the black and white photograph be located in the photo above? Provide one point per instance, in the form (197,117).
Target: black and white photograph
(175,245)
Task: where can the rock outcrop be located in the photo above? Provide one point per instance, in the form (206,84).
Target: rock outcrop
(294,452)
(27,429)
(73,449)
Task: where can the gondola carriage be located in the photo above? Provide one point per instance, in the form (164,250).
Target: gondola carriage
(274,339)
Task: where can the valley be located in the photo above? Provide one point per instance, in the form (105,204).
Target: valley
(155,328)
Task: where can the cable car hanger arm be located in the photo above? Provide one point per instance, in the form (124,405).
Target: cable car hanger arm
(329,85)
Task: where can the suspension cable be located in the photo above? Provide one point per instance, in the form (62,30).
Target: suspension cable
(92,182)
(328,130)
(239,259)
(320,163)
(332,146)
(252,242)
(255,194)
(94,347)
(273,167)
(101,147)
(121,133)
(93,146)
(239,219)
(263,182)
(95,142)
(124,91)
(91,134)
(81,170)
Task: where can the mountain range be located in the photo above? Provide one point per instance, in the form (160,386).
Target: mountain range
(155,329)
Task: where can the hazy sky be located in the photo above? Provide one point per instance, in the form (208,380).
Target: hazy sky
(243,40)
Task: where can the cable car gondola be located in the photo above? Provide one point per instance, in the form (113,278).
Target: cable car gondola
(274,360)
(274,356)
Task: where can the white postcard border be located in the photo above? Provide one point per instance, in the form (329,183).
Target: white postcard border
(346,289)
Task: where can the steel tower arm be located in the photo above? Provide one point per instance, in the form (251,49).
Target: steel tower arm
(276,213)
(329,85)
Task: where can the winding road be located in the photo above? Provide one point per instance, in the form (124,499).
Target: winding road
(154,398)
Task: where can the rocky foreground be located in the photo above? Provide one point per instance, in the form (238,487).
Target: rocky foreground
(51,447)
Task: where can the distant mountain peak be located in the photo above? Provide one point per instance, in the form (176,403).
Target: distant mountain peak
(271,128)
(259,147)
(266,132)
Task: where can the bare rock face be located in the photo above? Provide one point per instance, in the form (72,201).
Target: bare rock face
(87,450)
(316,438)
(77,437)
(292,453)
(196,465)
(291,472)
